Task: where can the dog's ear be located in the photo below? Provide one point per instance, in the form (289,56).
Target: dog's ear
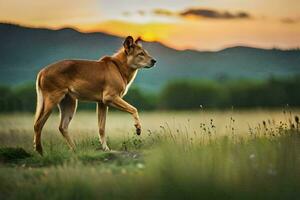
(128,44)
(138,41)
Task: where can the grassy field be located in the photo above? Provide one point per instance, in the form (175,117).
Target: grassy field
(192,155)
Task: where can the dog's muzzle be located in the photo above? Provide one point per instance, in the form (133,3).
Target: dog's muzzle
(152,63)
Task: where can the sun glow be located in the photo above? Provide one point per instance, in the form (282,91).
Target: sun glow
(149,36)
(206,34)
(149,32)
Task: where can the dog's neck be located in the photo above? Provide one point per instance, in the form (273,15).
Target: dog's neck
(127,72)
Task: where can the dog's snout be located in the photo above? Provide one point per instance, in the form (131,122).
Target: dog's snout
(153,61)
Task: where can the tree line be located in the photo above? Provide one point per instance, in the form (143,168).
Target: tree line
(182,95)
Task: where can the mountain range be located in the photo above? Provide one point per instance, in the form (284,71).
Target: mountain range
(24,51)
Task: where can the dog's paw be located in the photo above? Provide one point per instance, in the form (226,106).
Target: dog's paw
(138,131)
(105,148)
(39,149)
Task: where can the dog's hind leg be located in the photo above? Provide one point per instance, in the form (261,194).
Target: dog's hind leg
(102,111)
(43,113)
(67,108)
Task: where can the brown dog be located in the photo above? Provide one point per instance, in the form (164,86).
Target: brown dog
(104,81)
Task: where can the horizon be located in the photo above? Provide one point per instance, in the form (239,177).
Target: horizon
(193,24)
(161,43)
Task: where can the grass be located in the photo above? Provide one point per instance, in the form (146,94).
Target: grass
(191,155)
(10,154)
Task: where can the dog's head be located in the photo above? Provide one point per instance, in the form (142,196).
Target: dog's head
(137,56)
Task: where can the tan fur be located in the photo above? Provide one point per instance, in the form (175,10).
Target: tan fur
(104,81)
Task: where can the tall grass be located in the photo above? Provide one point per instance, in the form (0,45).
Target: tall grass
(231,155)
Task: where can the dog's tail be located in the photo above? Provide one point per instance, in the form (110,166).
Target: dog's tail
(39,97)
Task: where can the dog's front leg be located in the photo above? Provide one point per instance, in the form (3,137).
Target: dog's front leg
(121,104)
(102,110)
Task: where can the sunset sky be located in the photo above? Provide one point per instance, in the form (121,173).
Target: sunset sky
(181,24)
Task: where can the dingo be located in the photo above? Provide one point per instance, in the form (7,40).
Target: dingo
(104,81)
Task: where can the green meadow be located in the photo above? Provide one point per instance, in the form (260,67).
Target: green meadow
(233,154)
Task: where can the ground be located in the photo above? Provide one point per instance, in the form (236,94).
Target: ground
(201,154)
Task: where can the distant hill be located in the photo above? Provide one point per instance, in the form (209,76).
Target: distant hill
(24,51)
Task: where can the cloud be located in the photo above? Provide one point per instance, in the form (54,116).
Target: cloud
(163,12)
(126,13)
(141,12)
(214,14)
(204,13)
(288,20)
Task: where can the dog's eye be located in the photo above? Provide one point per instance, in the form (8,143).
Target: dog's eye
(141,54)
